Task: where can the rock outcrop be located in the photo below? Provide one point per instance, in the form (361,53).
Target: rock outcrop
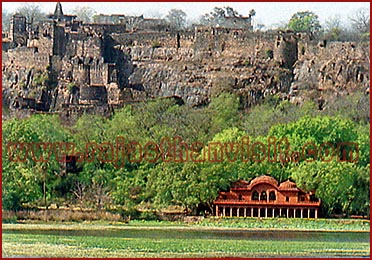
(71,68)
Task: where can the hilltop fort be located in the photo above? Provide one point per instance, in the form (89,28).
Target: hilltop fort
(69,67)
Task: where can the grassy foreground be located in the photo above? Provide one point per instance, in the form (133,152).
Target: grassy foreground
(207,238)
(82,246)
(214,222)
(288,224)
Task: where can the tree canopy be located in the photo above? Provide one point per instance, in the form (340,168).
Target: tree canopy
(218,15)
(32,12)
(161,175)
(177,18)
(305,21)
(84,13)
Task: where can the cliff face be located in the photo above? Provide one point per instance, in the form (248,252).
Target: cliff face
(97,68)
(325,71)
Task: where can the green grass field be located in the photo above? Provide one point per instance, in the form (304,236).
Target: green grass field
(289,224)
(169,239)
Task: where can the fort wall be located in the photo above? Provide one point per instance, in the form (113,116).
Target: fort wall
(123,64)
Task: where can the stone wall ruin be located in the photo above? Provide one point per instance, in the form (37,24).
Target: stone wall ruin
(98,66)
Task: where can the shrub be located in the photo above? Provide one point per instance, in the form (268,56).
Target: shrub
(9,216)
(269,54)
(156,44)
(70,86)
(149,215)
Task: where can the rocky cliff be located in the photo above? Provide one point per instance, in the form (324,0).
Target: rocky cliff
(96,69)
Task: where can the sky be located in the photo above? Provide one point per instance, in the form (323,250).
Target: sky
(270,14)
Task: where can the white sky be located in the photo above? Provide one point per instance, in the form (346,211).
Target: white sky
(267,13)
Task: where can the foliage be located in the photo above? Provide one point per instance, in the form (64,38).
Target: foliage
(156,44)
(361,21)
(259,120)
(70,87)
(343,187)
(84,13)
(40,79)
(354,106)
(333,29)
(218,15)
(172,178)
(337,29)
(305,21)
(177,18)
(32,12)
(224,111)
(25,180)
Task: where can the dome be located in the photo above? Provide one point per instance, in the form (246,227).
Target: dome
(264,179)
(288,185)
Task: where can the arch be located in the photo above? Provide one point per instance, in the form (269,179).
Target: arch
(272,195)
(255,195)
(263,196)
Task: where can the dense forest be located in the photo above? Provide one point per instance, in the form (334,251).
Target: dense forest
(324,150)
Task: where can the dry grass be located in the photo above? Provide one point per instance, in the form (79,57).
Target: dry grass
(59,215)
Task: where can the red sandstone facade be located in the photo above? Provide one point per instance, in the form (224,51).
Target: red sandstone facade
(263,197)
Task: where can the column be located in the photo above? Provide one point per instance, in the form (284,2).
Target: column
(251,212)
(316,213)
(259,212)
(294,213)
(280,212)
(216,210)
(245,212)
(287,213)
(231,211)
(273,212)
(302,213)
(265,212)
(237,212)
(224,211)
(308,213)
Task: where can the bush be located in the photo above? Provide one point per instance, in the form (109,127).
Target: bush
(269,54)
(40,79)
(70,86)
(129,213)
(149,215)
(156,45)
(59,215)
(9,216)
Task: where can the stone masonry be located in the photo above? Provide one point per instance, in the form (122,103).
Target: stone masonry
(64,66)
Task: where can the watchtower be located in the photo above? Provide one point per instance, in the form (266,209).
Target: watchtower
(18,30)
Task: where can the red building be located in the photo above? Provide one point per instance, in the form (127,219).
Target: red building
(264,197)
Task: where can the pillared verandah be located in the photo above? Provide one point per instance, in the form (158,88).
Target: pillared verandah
(264,197)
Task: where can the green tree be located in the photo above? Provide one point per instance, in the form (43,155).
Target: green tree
(304,22)
(31,178)
(318,138)
(342,187)
(224,110)
(260,118)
